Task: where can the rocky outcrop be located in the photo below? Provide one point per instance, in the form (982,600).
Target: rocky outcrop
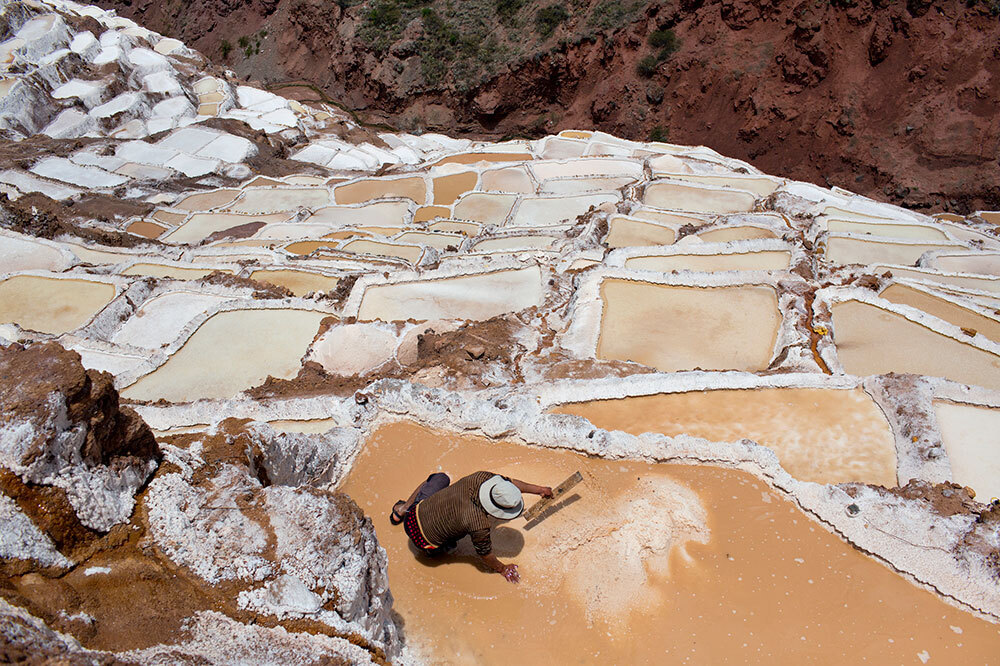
(234,538)
(61,427)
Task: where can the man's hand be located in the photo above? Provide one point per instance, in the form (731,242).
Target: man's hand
(545,491)
(510,573)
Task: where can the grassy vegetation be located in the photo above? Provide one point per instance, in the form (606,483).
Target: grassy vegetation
(549,18)
(658,133)
(226,47)
(614,14)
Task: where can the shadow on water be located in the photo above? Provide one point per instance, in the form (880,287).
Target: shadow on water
(561,504)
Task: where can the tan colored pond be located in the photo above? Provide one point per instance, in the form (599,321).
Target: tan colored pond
(428,213)
(207,200)
(647,564)
(230,352)
(970,437)
(682,328)
(821,435)
(729,234)
(510,179)
(961,281)
(51,305)
(146,229)
(943,309)
(889,230)
(485,207)
(299,283)
(168,218)
(626,232)
(769,260)
(308,247)
(447,189)
(759,185)
(678,196)
(846,250)
(361,191)
(410,253)
(474,297)
(584,185)
(475,158)
(465,228)
(534,212)
(513,243)
(984,263)
(175,272)
(873,341)
(273,200)
(202,225)
(378,214)
(435,239)
(993,217)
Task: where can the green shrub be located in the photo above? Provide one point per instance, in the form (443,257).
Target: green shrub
(647,66)
(507,9)
(548,19)
(666,41)
(658,133)
(225,47)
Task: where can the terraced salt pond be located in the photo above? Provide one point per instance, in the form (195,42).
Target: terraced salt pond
(943,309)
(767,260)
(299,283)
(871,341)
(230,352)
(970,437)
(675,328)
(473,297)
(704,565)
(821,435)
(51,305)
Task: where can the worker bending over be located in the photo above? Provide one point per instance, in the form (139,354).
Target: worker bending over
(439,513)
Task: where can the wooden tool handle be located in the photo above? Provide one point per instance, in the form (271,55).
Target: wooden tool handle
(559,490)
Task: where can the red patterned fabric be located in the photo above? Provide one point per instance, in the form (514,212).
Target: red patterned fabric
(412,529)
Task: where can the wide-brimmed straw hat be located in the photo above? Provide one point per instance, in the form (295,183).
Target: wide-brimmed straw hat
(501,498)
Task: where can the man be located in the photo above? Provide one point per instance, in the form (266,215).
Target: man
(439,513)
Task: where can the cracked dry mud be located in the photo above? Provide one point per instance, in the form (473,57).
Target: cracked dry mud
(235,328)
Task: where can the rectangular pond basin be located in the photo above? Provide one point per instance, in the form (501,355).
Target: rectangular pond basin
(887,230)
(51,305)
(299,283)
(276,199)
(628,232)
(961,281)
(645,564)
(361,191)
(474,297)
(230,352)
(971,435)
(943,308)
(175,272)
(848,250)
(202,225)
(983,263)
(675,328)
(697,198)
(447,189)
(508,179)
(821,435)
(767,260)
(874,341)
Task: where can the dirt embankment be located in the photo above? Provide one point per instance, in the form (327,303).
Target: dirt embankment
(893,100)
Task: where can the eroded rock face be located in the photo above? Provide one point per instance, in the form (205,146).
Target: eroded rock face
(61,426)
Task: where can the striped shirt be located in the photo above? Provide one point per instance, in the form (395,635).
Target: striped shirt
(451,513)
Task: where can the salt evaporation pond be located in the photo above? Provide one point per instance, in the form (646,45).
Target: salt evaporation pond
(645,564)
(51,305)
(230,352)
(821,435)
(872,341)
(681,328)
